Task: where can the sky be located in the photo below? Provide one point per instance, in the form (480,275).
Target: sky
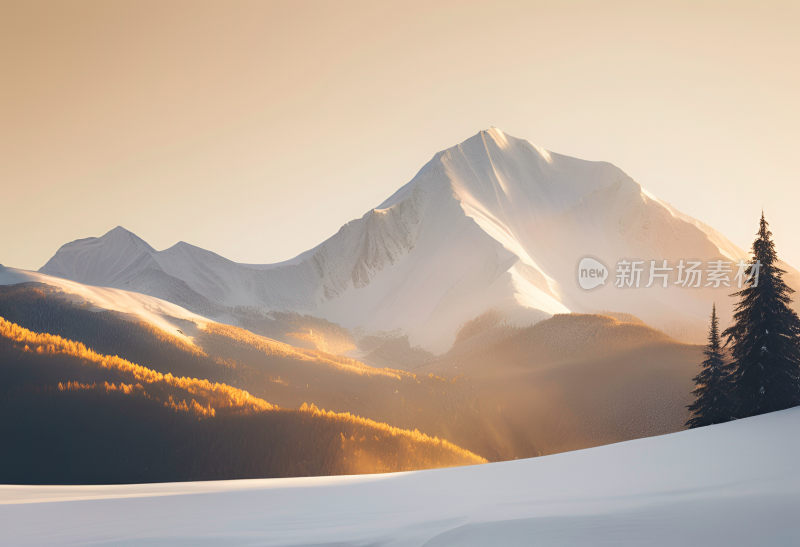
(256,129)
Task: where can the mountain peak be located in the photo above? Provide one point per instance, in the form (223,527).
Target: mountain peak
(494,139)
(118,230)
(493,132)
(182,245)
(490,135)
(104,260)
(119,235)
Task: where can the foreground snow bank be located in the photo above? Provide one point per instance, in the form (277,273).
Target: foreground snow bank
(732,484)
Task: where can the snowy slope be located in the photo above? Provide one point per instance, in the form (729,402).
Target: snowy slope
(732,484)
(163,315)
(494,223)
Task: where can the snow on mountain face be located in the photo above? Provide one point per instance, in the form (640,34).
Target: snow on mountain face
(104,260)
(494,223)
(166,316)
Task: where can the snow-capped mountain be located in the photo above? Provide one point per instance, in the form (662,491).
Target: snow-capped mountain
(492,224)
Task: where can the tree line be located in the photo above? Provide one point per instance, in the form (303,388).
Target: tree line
(753,366)
(65,419)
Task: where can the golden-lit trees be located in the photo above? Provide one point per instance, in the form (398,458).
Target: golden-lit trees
(216,394)
(109,419)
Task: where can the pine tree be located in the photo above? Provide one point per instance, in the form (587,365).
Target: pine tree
(713,398)
(765,335)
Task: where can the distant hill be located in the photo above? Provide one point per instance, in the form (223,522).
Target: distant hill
(69,414)
(502,392)
(574,381)
(278,372)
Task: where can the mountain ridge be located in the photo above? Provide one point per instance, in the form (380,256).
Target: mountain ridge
(494,223)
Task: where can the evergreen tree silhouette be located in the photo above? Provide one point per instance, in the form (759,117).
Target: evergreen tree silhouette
(713,395)
(764,337)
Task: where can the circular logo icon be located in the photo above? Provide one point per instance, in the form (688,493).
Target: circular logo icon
(591,273)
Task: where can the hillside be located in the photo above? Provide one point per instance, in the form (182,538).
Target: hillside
(574,381)
(501,393)
(732,484)
(280,373)
(73,415)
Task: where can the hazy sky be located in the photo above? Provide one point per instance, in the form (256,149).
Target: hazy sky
(255,129)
